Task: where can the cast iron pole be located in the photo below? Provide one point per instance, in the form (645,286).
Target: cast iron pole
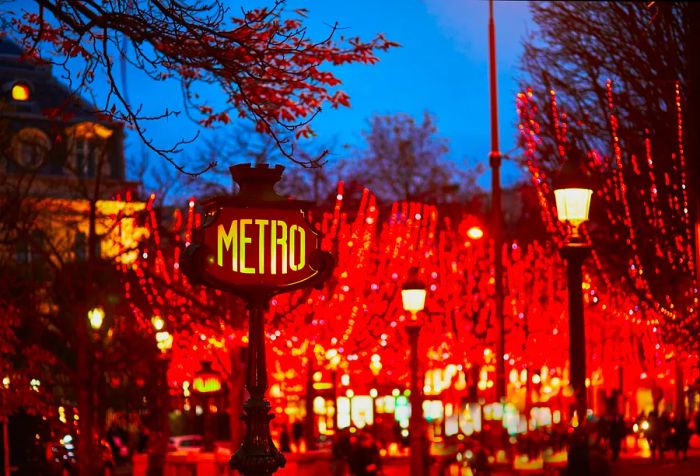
(416,420)
(574,254)
(258,455)
(495,163)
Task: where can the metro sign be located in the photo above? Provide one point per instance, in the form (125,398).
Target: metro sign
(256,241)
(260,246)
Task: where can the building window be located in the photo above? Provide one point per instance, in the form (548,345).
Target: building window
(28,249)
(80,246)
(31,148)
(20,91)
(86,150)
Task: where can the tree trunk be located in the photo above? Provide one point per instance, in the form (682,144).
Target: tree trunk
(692,125)
(86,444)
(159,447)
(5,446)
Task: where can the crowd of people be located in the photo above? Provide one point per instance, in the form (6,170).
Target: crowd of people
(359,452)
(126,436)
(663,432)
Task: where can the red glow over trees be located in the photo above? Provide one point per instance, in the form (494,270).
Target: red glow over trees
(358,314)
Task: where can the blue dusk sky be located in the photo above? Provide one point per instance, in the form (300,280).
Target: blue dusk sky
(441,67)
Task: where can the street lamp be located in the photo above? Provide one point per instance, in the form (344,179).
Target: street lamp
(164,342)
(375,366)
(207,383)
(573,189)
(333,358)
(413,300)
(96,316)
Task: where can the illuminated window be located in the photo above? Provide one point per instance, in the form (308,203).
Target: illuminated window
(87,151)
(30,148)
(20,92)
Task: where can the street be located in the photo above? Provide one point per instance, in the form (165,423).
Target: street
(665,467)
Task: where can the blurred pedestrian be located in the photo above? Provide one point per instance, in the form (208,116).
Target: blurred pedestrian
(681,436)
(616,433)
(285,441)
(297,434)
(341,449)
(364,456)
(655,435)
(480,465)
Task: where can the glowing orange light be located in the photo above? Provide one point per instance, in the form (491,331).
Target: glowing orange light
(20,92)
(475,233)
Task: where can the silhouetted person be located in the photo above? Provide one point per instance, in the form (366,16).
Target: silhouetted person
(364,456)
(655,435)
(297,433)
(681,436)
(616,433)
(481,466)
(117,439)
(341,449)
(285,442)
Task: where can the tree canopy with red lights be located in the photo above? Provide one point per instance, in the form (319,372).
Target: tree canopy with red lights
(264,61)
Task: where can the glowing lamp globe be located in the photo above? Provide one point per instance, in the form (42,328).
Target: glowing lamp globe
(207,381)
(413,295)
(573,189)
(20,92)
(475,233)
(96,316)
(164,341)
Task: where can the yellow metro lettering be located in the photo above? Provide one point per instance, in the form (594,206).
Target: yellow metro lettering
(301,253)
(243,240)
(227,241)
(261,244)
(279,240)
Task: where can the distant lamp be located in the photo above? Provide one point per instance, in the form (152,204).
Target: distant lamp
(96,316)
(573,189)
(333,358)
(206,381)
(20,92)
(413,294)
(164,341)
(158,323)
(375,365)
(475,233)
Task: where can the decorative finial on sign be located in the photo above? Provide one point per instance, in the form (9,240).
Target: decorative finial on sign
(257,181)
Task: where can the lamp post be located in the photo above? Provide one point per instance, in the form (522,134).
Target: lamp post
(496,215)
(333,358)
(164,342)
(207,383)
(572,191)
(375,366)
(413,300)
(96,316)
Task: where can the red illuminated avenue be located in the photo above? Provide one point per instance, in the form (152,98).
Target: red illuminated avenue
(366,308)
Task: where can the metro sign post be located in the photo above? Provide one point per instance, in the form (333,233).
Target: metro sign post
(256,244)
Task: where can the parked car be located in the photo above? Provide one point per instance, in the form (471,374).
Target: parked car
(186,443)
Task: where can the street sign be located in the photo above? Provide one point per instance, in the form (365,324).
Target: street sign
(256,241)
